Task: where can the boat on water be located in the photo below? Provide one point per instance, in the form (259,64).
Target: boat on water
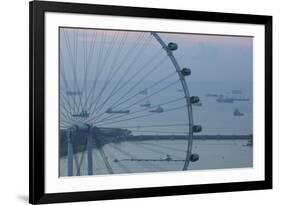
(239,91)
(69,92)
(222,99)
(143,92)
(241,99)
(111,111)
(146,104)
(237,112)
(211,95)
(159,109)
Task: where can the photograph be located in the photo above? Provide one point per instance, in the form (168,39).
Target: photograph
(133,101)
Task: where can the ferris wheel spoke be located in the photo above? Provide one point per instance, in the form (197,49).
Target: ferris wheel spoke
(121,44)
(157,125)
(88,63)
(105,160)
(99,61)
(156,149)
(64,124)
(142,48)
(155,68)
(132,62)
(174,149)
(64,127)
(67,108)
(120,164)
(145,109)
(98,72)
(153,94)
(117,89)
(96,78)
(118,73)
(104,63)
(121,64)
(142,116)
(126,58)
(99,69)
(64,99)
(117,54)
(64,119)
(66,86)
(145,98)
(148,165)
(137,93)
(85,66)
(109,118)
(123,152)
(78,88)
(66,112)
(73,62)
(158,132)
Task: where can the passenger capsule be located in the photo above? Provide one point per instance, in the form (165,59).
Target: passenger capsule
(185,71)
(194,157)
(172,46)
(194,99)
(197,128)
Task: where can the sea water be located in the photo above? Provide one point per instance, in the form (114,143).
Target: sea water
(213,154)
(215,118)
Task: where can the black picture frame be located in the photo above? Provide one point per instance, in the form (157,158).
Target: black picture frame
(37,10)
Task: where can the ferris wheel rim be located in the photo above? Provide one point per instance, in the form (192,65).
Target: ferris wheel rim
(186,93)
(187,96)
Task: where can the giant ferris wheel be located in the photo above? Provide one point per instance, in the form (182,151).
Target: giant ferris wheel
(120,92)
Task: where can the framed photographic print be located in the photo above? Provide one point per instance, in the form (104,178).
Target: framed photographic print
(140,102)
